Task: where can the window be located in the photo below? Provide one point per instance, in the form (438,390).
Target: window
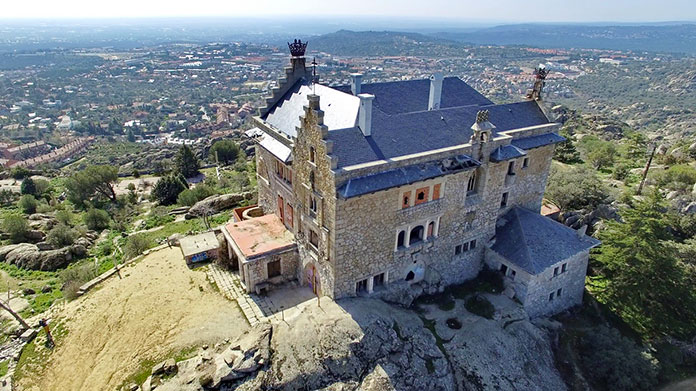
(312,206)
(504,200)
(564,268)
(410,276)
(525,162)
(288,215)
(465,247)
(512,274)
(431,228)
(400,239)
(558,292)
(406,200)
(472,244)
(311,154)
(313,238)
(273,268)
(422,195)
(503,269)
(361,286)
(458,249)
(436,192)
(511,168)
(471,185)
(311,180)
(280,208)
(378,280)
(416,235)
(551,296)
(555,271)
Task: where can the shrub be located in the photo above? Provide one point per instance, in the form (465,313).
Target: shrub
(28,186)
(677,177)
(576,188)
(74,277)
(61,235)
(136,245)
(96,219)
(16,226)
(28,204)
(617,362)
(64,216)
(168,188)
(226,151)
(42,186)
(191,196)
(20,173)
(479,305)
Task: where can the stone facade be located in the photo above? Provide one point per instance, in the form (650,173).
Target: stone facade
(256,272)
(540,293)
(435,231)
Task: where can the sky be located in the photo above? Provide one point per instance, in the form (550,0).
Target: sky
(513,11)
(464,10)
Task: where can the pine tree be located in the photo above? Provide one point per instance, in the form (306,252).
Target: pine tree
(186,162)
(28,186)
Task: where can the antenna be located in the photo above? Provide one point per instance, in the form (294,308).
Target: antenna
(314,75)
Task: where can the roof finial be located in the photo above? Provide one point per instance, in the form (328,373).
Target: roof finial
(297,48)
(315,79)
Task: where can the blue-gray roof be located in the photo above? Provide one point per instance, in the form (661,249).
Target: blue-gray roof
(416,132)
(405,175)
(506,152)
(534,242)
(538,141)
(412,95)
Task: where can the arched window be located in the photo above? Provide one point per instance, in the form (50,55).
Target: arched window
(410,276)
(400,239)
(471,185)
(416,235)
(311,180)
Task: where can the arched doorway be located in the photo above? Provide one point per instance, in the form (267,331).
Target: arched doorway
(311,275)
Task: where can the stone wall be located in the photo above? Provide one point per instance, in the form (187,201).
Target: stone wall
(534,290)
(256,271)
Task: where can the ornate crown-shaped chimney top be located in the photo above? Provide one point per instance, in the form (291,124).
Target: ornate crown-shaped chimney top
(297,48)
(482,116)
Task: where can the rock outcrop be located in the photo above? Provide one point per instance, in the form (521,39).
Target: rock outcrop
(217,203)
(29,256)
(370,345)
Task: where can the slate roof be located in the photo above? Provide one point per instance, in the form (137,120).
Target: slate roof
(534,242)
(412,95)
(409,133)
(401,123)
(405,175)
(506,152)
(538,141)
(275,147)
(340,109)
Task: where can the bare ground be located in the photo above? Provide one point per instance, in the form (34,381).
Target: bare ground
(160,307)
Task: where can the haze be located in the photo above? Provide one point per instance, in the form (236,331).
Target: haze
(461,11)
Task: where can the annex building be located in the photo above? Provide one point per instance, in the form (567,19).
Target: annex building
(420,181)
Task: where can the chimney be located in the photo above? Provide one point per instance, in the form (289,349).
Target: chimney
(355,83)
(365,114)
(435,91)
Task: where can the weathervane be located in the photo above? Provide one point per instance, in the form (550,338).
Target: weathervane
(314,75)
(297,48)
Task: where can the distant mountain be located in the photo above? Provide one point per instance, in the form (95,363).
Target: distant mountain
(383,43)
(675,38)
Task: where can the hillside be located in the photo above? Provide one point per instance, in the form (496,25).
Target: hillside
(383,43)
(678,38)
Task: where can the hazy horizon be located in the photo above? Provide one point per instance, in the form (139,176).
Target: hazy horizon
(406,11)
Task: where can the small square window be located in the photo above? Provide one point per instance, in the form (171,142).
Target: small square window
(558,292)
(525,162)
(458,250)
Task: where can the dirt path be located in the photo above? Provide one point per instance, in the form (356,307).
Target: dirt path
(158,308)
